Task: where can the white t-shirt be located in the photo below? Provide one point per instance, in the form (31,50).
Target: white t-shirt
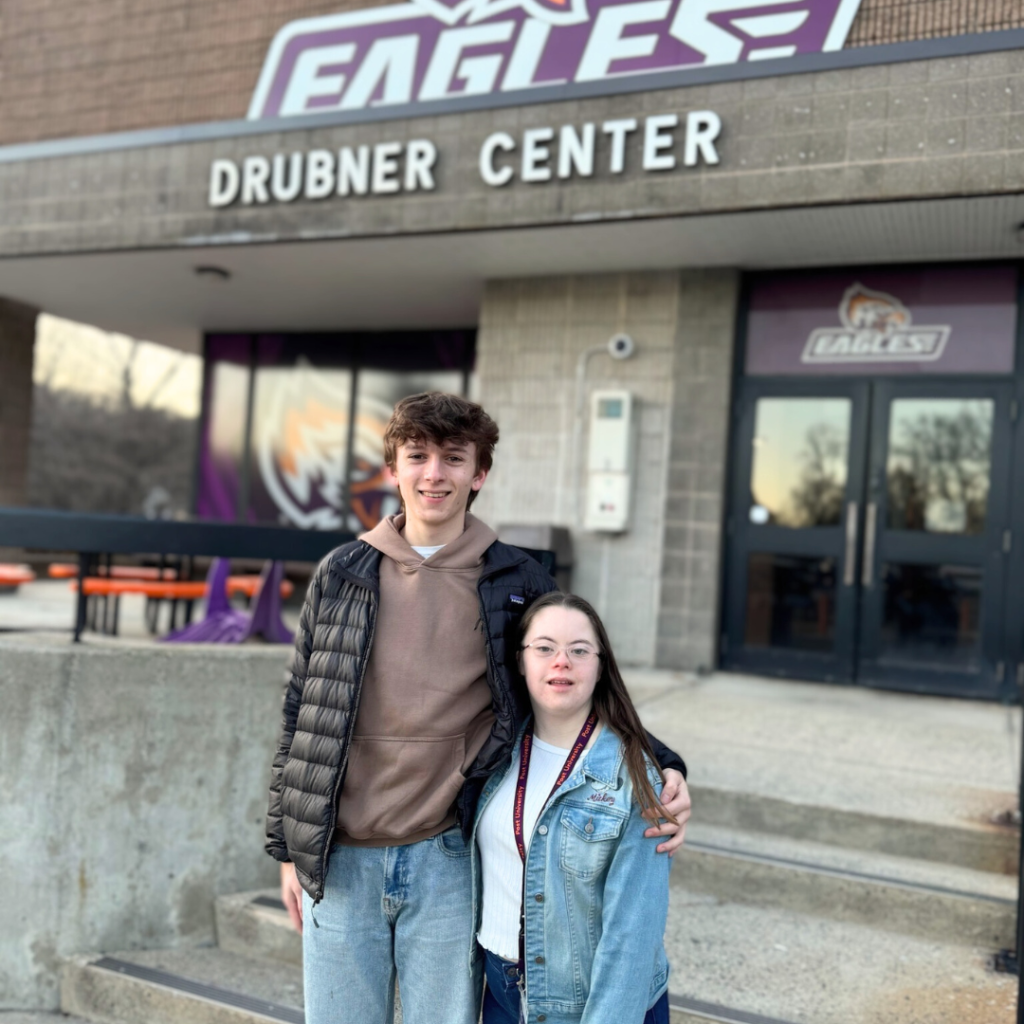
(426,552)
(501,864)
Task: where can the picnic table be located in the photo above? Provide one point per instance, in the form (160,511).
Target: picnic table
(157,590)
(97,538)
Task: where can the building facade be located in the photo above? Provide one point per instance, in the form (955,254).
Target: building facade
(806,217)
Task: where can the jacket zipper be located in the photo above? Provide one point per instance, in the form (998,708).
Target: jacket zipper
(506,697)
(344,763)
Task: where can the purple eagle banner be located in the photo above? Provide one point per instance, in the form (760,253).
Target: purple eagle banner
(428,51)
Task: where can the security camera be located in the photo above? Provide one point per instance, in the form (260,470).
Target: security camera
(621,346)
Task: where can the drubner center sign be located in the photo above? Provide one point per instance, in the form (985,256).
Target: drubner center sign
(436,56)
(537,155)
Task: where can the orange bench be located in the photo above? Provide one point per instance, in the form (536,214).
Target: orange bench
(155,591)
(69,571)
(189,590)
(12,576)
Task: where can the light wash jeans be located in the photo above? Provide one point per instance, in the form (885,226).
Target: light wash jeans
(386,909)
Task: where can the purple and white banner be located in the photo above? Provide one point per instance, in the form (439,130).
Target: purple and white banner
(937,320)
(432,51)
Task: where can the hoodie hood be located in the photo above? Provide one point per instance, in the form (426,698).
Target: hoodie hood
(464,553)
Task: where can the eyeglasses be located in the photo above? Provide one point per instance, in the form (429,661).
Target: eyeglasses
(544,650)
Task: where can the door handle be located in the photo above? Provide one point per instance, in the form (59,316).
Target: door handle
(867,576)
(849,562)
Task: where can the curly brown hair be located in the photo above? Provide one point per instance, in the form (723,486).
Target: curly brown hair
(441,418)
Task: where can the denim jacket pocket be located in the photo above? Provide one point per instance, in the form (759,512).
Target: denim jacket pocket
(587,834)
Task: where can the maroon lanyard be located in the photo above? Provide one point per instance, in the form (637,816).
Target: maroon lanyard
(517,808)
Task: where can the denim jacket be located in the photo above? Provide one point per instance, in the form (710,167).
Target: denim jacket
(596,896)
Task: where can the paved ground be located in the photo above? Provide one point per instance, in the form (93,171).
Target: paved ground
(895,755)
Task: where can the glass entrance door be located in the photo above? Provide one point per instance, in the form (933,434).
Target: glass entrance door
(936,538)
(793,534)
(868,535)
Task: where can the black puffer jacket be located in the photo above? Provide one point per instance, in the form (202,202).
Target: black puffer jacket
(332,647)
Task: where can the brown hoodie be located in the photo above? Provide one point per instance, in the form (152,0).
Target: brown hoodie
(425,708)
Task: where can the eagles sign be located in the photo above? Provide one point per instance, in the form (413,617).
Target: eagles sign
(474,52)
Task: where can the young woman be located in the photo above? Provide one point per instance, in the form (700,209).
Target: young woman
(578,940)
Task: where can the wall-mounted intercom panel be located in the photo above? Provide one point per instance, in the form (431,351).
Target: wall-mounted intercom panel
(610,455)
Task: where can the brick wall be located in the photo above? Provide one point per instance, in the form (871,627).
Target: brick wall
(530,337)
(86,67)
(897,21)
(17,344)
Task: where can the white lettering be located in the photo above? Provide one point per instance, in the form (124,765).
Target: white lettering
(618,130)
(420,157)
(286,181)
(607,44)
(447,63)
(391,61)
(694,27)
(308,83)
(702,129)
(385,167)
(225,179)
(522,65)
(319,174)
(655,141)
(536,155)
(577,152)
(255,172)
(493,176)
(354,171)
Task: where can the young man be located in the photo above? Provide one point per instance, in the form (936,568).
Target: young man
(403,699)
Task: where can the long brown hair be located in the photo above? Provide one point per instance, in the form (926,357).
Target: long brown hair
(612,702)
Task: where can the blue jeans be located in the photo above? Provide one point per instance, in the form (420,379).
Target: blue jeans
(404,910)
(501,1000)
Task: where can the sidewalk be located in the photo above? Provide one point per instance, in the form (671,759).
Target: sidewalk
(932,759)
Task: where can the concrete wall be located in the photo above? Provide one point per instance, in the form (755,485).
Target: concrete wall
(531,335)
(927,129)
(699,455)
(657,585)
(17,346)
(85,67)
(133,782)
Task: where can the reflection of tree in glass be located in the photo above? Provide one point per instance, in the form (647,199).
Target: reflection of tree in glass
(817,499)
(939,469)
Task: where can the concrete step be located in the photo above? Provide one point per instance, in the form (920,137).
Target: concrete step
(193,986)
(982,844)
(739,964)
(37,1017)
(930,901)
(731,963)
(255,924)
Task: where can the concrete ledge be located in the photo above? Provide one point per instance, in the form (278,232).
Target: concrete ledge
(137,776)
